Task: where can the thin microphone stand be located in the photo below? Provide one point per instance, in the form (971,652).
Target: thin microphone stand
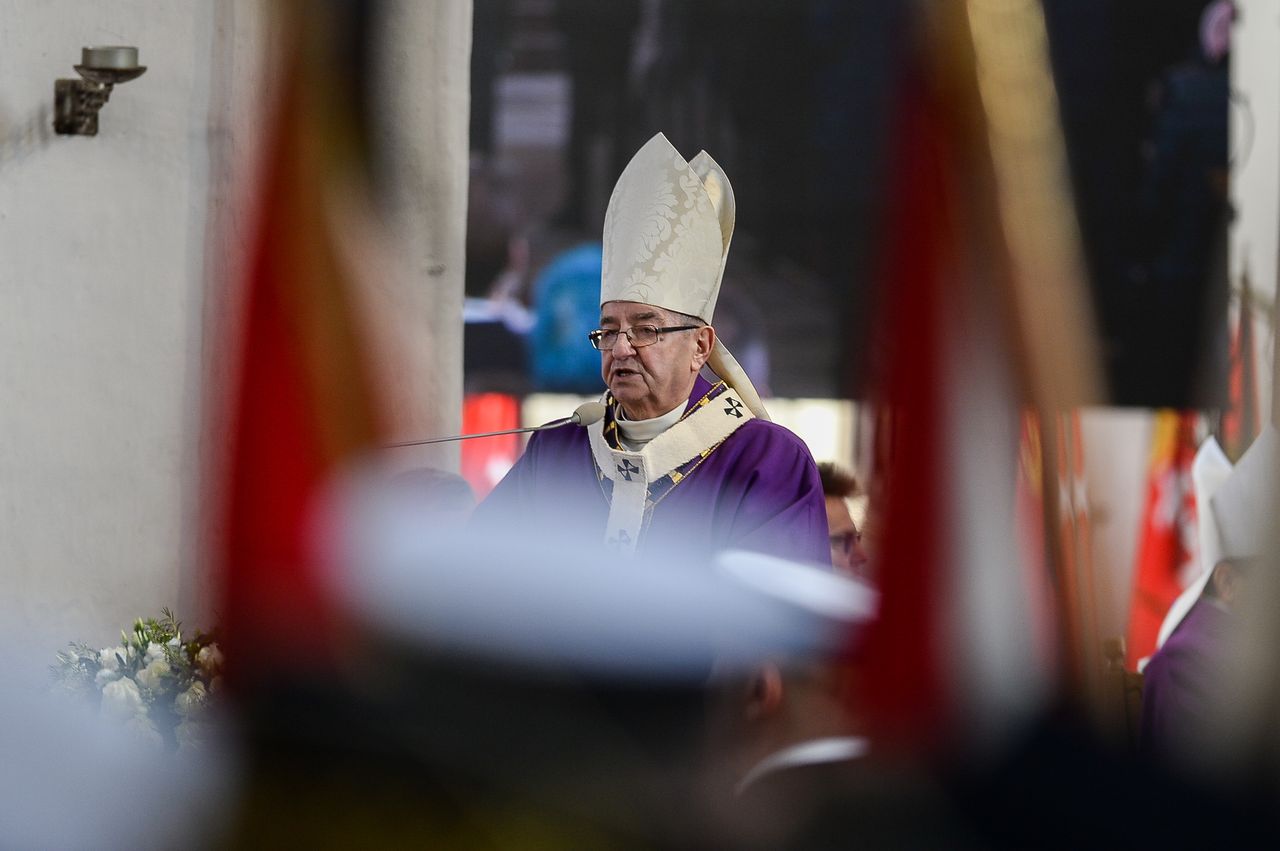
(552,424)
(586,414)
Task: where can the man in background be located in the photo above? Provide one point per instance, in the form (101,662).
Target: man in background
(847,555)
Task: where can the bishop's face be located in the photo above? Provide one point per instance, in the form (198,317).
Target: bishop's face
(651,380)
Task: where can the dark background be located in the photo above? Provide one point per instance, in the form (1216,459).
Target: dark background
(794,97)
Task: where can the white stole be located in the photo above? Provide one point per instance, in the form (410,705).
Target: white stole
(632,472)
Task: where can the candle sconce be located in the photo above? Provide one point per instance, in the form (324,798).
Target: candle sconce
(76,102)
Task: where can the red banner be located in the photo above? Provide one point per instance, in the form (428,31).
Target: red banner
(1167,552)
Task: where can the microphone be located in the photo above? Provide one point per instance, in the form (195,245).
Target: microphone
(584,415)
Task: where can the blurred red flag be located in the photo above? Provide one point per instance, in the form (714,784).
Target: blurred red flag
(303,405)
(903,693)
(1167,554)
(1240,422)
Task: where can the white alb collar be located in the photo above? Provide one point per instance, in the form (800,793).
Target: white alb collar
(634,434)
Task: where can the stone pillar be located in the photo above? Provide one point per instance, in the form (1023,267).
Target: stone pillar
(423,113)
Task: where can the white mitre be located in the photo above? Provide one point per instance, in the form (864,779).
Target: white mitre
(1244,507)
(1209,472)
(666,239)
(1236,506)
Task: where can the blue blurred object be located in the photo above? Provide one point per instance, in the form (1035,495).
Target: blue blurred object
(566,304)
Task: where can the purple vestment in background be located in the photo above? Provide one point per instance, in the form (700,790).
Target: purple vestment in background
(759,490)
(1181,680)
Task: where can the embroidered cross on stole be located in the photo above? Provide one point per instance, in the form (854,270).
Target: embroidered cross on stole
(640,479)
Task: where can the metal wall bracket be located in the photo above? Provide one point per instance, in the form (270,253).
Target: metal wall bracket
(75,106)
(76,102)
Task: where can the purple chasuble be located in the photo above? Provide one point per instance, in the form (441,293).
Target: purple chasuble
(758,490)
(1180,682)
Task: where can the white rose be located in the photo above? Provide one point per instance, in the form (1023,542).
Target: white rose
(152,675)
(154,652)
(191,701)
(121,699)
(209,657)
(105,676)
(111,658)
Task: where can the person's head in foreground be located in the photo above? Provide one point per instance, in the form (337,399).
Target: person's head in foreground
(783,736)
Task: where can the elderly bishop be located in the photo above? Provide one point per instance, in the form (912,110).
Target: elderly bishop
(678,464)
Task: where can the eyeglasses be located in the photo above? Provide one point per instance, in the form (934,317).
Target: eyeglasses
(638,336)
(843,543)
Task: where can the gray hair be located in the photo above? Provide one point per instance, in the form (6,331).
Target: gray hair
(678,318)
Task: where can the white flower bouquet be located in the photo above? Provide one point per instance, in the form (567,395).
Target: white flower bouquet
(155,681)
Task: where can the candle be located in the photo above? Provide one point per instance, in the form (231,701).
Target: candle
(115,58)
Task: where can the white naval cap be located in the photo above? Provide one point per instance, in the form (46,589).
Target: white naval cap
(539,601)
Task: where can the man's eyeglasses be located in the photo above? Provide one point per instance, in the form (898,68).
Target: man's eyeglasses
(638,335)
(843,542)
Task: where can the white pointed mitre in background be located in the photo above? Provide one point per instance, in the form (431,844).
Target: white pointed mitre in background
(1209,472)
(1236,509)
(667,231)
(1244,507)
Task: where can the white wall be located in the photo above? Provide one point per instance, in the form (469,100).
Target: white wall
(110,327)
(100,305)
(1255,166)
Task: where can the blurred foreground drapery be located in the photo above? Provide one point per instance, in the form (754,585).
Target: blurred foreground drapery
(1055,530)
(904,687)
(303,404)
(982,313)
